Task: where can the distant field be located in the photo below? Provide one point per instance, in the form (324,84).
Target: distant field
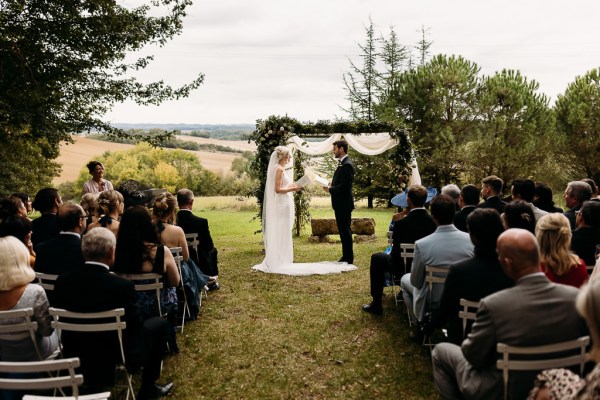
(73,157)
(234,144)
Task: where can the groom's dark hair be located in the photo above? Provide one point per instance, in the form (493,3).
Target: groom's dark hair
(341,144)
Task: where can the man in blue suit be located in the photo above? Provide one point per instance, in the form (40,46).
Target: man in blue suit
(446,246)
(342,199)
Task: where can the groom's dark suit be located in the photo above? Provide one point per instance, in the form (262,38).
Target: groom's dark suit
(342,201)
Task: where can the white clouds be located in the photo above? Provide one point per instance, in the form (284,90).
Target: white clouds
(264,57)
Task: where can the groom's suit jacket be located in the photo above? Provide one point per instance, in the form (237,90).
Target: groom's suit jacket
(342,198)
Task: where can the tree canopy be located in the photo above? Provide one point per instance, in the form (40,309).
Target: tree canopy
(63,65)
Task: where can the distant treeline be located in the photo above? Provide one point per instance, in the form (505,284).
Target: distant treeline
(220,134)
(171,143)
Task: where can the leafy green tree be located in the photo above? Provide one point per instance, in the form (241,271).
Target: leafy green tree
(63,66)
(515,136)
(438,101)
(578,119)
(361,82)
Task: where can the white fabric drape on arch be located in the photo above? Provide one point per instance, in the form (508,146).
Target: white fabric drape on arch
(369,144)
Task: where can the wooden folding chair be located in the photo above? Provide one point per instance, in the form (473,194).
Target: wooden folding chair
(550,354)
(93,396)
(178,256)
(468,313)
(54,369)
(87,322)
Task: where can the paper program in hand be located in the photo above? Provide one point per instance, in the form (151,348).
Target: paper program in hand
(322,181)
(304,181)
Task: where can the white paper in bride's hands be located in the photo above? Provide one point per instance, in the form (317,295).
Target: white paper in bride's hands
(322,181)
(304,181)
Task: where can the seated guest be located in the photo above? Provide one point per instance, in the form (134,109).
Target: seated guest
(524,189)
(97,183)
(110,208)
(92,288)
(534,312)
(476,277)
(139,251)
(519,214)
(8,208)
(163,211)
(453,191)
(491,189)
(558,263)
(543,198)
(190,223)
(575,194)
(45,227)
(63,253)
(25,199)
(416,225)
(594,188)
(467,201)
(562,384)
(16,293)
(442,248)
(89,203)
(587,235)
(19,227)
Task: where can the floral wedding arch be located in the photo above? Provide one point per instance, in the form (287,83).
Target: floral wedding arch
(370,138)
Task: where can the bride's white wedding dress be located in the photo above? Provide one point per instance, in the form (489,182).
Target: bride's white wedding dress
(278,221)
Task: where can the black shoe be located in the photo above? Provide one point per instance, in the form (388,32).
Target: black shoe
(372,309)
(214,286)
(154,391)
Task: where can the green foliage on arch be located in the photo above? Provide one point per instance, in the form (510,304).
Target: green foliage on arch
(276,131)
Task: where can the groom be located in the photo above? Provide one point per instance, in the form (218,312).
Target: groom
(342,199)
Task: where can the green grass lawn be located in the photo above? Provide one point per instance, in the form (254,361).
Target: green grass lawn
(268,336)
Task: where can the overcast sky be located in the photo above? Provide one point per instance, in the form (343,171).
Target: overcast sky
(266,57)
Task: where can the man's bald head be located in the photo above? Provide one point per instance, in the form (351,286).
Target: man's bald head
(518,253)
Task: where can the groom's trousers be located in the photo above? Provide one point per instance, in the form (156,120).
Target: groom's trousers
(343,218)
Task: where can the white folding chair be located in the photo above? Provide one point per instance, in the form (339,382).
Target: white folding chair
(87,322)
(25,327)
(146,283)
(46,280)
(55,379)
(178,256)
(550,354)
(433,276)
(407,252)
(194,243)
(93,396)
(468,313)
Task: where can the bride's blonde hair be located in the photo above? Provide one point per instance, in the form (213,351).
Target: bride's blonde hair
(281,152)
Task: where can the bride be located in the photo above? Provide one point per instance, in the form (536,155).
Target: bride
(278,220)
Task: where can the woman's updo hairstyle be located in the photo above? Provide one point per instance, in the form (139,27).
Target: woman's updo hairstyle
(164,205)
(108,201)
(281,152)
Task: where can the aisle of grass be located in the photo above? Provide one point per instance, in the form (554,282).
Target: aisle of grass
(266,336)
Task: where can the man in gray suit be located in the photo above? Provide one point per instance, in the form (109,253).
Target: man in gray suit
(532,313)
(446,246)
